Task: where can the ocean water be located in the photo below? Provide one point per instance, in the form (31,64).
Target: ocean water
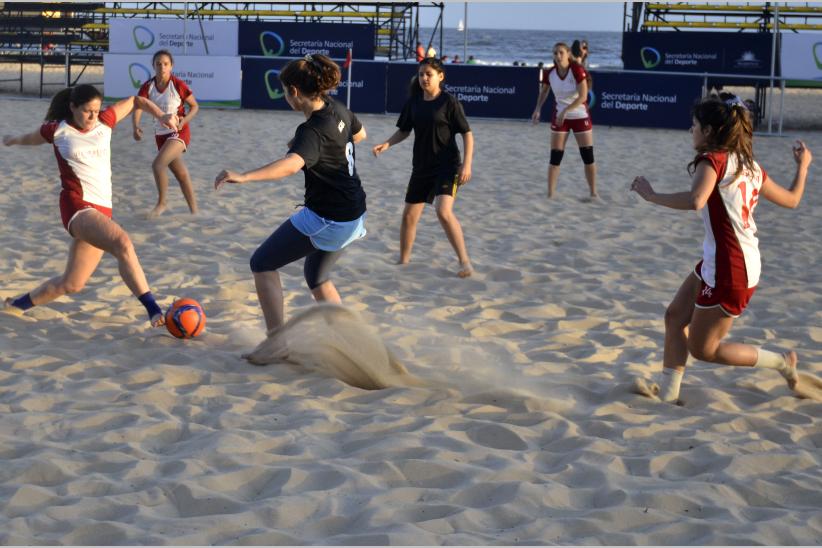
(504,46)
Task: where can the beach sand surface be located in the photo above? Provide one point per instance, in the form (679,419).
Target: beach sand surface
(525,432)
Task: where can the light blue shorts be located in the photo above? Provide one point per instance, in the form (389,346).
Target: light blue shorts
(328,235)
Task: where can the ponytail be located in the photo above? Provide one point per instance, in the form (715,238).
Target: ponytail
(60,106)
(730,129)
(314,75)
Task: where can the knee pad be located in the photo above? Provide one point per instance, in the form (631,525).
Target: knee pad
(587,154)
(556,156)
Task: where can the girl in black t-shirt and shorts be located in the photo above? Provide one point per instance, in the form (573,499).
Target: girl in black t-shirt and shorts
(334,212)
(436,117)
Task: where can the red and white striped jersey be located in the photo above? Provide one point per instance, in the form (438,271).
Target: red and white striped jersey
(170,99)
(84,157)
(565,89)
(730,251)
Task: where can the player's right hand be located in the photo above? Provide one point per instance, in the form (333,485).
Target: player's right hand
(380,148)
(535,117)
(138,134)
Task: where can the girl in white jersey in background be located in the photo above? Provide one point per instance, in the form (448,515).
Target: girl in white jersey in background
(81,135)
(569,81)
(726,185)
(170,94)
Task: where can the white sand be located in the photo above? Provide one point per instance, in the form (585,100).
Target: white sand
(112,433)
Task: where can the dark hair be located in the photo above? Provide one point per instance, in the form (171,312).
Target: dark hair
(314,75)
(576,49)
(730,128)
(414,88)
(160,52)
(79,95)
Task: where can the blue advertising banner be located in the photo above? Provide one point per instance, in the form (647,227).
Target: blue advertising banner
(718,52)
(641,100)
(490,91)
(617,99)
(273,39)
(262,89)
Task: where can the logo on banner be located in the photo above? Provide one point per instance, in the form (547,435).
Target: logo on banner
(817,56)
(748,60)
(278,48)
(143,39)
(650,57)
(138,74)
(592,99)
(274,92)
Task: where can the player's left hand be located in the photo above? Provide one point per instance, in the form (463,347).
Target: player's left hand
(465,174)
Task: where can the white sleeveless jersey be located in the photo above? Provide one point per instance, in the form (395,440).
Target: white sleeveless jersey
(84,157)
(565,89)
(730,251)
(170,100)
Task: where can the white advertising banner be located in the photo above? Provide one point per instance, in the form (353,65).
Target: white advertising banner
(802,56)
(149,35)
(215,81)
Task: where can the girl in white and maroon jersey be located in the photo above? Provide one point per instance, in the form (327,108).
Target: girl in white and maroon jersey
(170,94)
(81,134)
(570,83)
(727,183)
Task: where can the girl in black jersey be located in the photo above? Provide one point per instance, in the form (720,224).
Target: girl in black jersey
(334,212)
(436,117)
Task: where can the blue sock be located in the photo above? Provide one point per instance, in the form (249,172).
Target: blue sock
(151,305)
(24,302)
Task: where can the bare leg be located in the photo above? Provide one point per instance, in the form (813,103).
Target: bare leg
(586,139)
(101,232)
(408,230)
(326,292)
(558,141)
(270,296)
(180,170)
(82,262)
(453,230)
(677,317)
(708,328)
(171,150)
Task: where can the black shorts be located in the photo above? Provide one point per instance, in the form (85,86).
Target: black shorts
(426,188)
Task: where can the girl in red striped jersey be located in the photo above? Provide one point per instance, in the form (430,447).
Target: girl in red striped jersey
(726,186)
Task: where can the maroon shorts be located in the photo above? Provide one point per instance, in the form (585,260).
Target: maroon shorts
(577,125)
(732,300)
(71,204)
(183,135)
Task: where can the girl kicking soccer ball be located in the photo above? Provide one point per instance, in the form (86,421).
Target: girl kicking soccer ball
(81,134)
(170,94)
(436,117)
(726,185)
(334,212)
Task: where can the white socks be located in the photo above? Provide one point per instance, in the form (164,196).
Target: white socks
(771,360)
(669,383)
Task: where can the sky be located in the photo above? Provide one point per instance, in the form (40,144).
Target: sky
(529,15)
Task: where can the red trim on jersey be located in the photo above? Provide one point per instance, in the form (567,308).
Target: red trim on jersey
(576,69)
(730,259)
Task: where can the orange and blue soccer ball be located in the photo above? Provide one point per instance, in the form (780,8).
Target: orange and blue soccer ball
(185,319)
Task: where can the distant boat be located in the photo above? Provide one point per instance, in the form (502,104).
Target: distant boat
(460,26)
